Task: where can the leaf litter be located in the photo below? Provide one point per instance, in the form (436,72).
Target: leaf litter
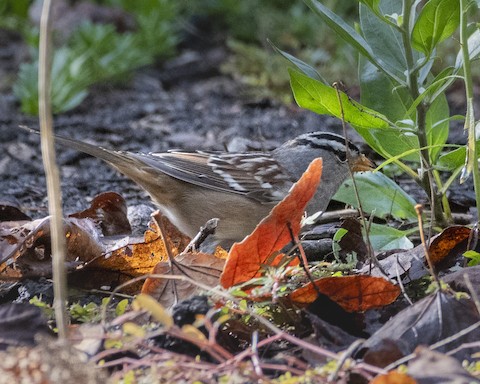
(95,256)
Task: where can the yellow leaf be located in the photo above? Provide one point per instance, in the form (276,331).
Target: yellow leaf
(158,311)
(193,332)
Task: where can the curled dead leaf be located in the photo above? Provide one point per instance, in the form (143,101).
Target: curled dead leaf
(353,293)
(444,243)
(246,258)
(25,250)
(109,211)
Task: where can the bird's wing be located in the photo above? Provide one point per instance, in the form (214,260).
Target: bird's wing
(241,173)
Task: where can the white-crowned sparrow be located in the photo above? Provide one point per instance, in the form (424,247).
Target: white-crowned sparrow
(238,188)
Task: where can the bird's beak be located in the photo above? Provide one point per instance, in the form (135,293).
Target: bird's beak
(361,164)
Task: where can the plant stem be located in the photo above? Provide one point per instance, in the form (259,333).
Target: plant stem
(471,148)
(426,177)
(51,172)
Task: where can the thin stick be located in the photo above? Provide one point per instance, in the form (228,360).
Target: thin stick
(419,210)
(51,172)
(371,254)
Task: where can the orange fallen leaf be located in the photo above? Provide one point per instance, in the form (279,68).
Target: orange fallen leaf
(245,259)
(135,259)
(353,293)
(444,243)
(95,260)
(393,378)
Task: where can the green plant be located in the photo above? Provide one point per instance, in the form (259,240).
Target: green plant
(247,25)
(92,312)
(13,14)
(474,257)
(403,112)
(97,52)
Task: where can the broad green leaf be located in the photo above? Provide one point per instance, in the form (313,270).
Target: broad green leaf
(372,4)
(382,94)
(347,33)
(392,142)
(322,99)
(473,49)
(384,39)
(384,238)
(300,65)
(437,21)
(439,84)
(379,195)
(474,257)
(452,160)
(437,125)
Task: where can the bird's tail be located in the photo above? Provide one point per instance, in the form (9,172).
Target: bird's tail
(116,158)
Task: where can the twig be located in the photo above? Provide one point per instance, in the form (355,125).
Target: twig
(278,333)
(371,254)
(51,172)
(419,210)
(400,283)
(157,217)
(344,358)
(205,231)
(255,359)
(303,257)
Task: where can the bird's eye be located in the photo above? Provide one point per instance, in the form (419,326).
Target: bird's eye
(341,155)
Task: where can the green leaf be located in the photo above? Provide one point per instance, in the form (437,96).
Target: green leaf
(121,307)
(437,21)
(437,125)
(452,160)
(347,33)
(379,195)
(381,93)
(384,238)
(300,65)
(473,49)
(372,4)
(474,258)
(322,99)
(383,38)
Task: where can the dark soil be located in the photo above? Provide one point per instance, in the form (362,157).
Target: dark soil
(185,103)
(195,113)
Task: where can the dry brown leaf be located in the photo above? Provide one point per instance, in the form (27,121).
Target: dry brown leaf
(428,321)
(443,244)
(353,241)
(134,259)
(353,293)
(10,211)
(25,250)
(109,211)
(246,258)
(201,267)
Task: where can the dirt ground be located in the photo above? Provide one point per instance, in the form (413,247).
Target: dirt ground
(205,110)
(185,103)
